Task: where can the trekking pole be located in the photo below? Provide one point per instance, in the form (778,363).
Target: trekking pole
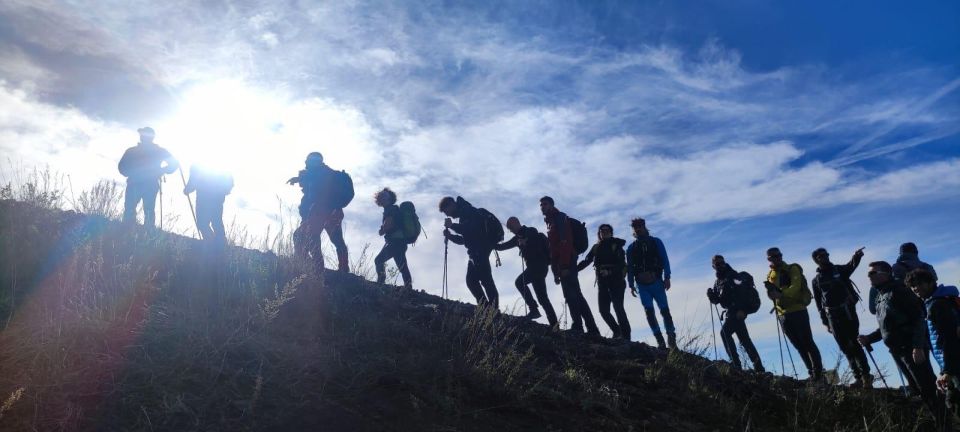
(446,247)
(196,223)
(713,327)
(523,274)
(903,384)
(869,349)
(783,366)
(160,183)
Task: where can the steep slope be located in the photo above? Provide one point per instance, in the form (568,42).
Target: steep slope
(111,327)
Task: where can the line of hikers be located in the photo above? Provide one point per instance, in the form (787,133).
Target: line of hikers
(911,324)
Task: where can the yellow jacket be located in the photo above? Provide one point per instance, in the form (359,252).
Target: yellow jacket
(792,283)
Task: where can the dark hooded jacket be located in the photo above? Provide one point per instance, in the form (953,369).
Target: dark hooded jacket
(729,290)
(470,230)
(905,262)
(832,288)
(560,232)
(144,163)
(608,258)
(317,186)
(900,315)
(942,325)
(535,249)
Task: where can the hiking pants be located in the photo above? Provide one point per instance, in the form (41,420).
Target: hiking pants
(845,326)
(210,218)
(579,309)
(536,276)
(655,292)
(796,327)
(480,278)
(397,251)
(309,237)
(610,289)
(137,191)
(733,325)
(922,378)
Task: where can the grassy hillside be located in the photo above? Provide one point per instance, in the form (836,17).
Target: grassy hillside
(111,327)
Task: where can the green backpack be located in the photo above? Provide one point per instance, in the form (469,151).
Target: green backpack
(409,222)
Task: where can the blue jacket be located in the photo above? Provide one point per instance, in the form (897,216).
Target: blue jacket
(633,266)
(942,326)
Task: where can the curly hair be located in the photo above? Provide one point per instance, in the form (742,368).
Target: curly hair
(385,197)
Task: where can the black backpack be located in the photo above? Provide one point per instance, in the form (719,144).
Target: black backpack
(646,255)
(492,228)
(580,239)
(749,297)
(341,189)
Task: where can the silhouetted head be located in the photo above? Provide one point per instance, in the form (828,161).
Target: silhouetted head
(546,205)
(639,227)
(879,273)
(513,224)
(604,231)
(821,257)
(909,248)
(146,134)
(922,282)
(385,197)
(448,206)
(774,256)
(718,262)
(314,160)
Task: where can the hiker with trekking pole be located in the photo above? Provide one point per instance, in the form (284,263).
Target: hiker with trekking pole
(212,187)
(400,228)
(535,262)
(836,298)
(900,315)
(737,294)
(610,264)
(787,287)
(479,231)
(144,166)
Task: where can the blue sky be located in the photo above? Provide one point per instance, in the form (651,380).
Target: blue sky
(730,126)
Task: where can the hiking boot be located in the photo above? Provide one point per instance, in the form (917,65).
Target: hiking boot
(594,334)
(533,314)
(672,341)
(758,368)
(576,329)
(660,342)
(864,382)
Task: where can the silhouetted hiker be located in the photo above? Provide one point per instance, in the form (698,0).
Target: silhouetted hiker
(396,236)
(908,260)
(212,188)
(902,329)
(325,193)
(609,262)
(648,274)
(787,287)
(736,293)
(479,231)
(535,252)
(563,261)
(837,300)
(143,165)
(942,327)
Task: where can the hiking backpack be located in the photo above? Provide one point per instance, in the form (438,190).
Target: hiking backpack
(341,186)
(749,296)
(409,222)
(580,239)
(806,296)
(492,228)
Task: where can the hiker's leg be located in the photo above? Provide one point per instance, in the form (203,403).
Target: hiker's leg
(727,330)
(603,303)
(400,259)
(334,228)
(473,283)
(485,275)
(150,191)
(131,197)
(619,287)
(380,262)
(521,283)
(539,281)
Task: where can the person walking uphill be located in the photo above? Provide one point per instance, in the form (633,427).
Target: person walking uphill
(648,274)
(325,193)
(902,329)
(143,165)
(563,263)
(836,300)
(609,262)
(736,293)
(479,231)
(398,230)
(909,259)
(942,327)
(535,252)
(787,287)
(212,188)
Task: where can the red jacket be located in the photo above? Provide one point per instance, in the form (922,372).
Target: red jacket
(560,236)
